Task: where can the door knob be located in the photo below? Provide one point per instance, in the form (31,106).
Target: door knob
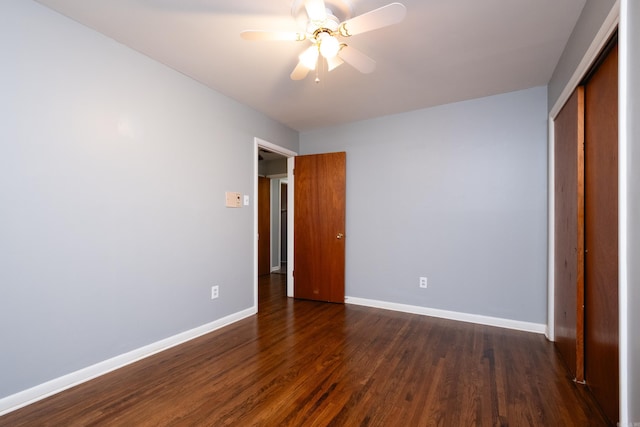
(339,236)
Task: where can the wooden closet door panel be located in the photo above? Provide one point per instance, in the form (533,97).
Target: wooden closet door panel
(601,234)
(569,233)
(264,226)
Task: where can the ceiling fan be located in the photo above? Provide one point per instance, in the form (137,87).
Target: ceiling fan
(326,23)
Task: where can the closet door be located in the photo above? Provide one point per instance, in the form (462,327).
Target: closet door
(264,226)
(601,234)
(569,232)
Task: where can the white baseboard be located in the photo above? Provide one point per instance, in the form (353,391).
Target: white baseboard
(39,392)
(538,328)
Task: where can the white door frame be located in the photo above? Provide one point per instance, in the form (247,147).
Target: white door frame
(257,144)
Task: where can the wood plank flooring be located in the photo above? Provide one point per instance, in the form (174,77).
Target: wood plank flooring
(304,363)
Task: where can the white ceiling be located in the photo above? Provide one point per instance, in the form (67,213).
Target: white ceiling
(444,51)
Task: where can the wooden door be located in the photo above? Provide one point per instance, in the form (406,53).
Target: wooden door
(319,224)
(569,233)
(264,226)
(601,234)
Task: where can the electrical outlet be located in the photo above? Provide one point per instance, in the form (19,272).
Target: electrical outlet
(423,282)
(215,292)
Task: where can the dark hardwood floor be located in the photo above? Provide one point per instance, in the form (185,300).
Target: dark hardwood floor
(304,363)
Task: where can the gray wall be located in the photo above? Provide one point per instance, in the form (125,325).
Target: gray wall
(633,211)
(113,170)
(590,20)
(456,193)
(275,166)
(272,167)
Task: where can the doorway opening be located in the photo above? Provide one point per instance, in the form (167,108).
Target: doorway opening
(273,244)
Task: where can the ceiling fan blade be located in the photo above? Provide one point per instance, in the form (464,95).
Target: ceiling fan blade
(300,72)
(316,10)
(357,59)
(334,62)
(378,18)
(271,35)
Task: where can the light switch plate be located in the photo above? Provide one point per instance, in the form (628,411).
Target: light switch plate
(233,200)
(246,200)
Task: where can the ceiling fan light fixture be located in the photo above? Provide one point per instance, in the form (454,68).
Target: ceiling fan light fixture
(329,46)
(309,57)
